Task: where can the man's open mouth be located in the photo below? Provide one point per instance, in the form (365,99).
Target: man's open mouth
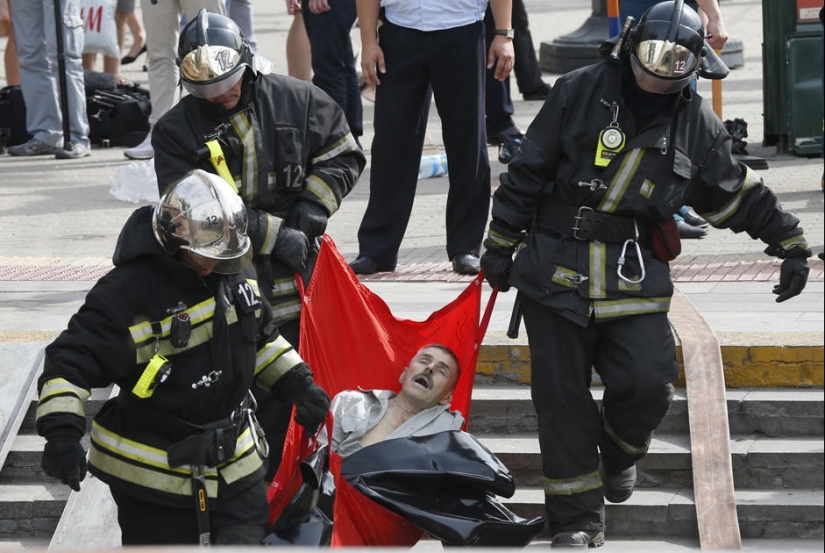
(423,381)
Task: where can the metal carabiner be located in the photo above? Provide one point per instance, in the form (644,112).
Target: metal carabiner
(258,434)
(620,264)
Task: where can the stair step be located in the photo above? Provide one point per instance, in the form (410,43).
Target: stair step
(31,510)
(790,513)
(758,462)
(783,413)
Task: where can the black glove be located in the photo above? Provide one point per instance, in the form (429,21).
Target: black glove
(309,218)
(500,244)
(64,458)
(291,248)
(310,400)
(312,405)
(496,264)
(793,275)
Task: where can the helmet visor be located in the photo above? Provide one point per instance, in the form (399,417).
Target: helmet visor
(650,82)
(666,59)
(210,71)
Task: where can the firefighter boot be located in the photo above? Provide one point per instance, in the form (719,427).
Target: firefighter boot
(581,539)
(618,484)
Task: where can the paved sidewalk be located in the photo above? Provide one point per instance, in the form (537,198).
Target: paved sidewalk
(60,222)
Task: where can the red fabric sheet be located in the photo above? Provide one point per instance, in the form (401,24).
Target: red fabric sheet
(351,340)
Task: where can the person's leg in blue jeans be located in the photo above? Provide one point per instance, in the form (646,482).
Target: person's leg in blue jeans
(333,61)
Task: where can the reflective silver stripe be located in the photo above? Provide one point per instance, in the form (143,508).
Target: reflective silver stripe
(498,239)
(619,184)
(287,311)
(797,241)
(244,462)
(631,306)
(323,192)
(57,386)
(569,486)
(273,227)
(177,484)
(344,145)
(61,404)
(626,447)
(274,360)
(647,189)
(142,453)
(249,176)
(200,335)
(197,314)
(751,180)
(284,287)
(597,287)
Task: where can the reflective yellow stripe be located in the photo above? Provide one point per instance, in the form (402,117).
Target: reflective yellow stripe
(569,486)
(245,461)
(498,239)
(751,179)
(626,447)
(61,404)
(177,484)
(598,253)
(130,449)
(565,277)
(618,186)
(200,335)
(321,190)
(249,173)
(287,311)
(284,287)
(274,360)
(273,227)
(342,146)
(797,241)
(218,161)
(647,189)
(56,386)
(199,313)
(631,306)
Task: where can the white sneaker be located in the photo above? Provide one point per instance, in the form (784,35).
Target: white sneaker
(143,150)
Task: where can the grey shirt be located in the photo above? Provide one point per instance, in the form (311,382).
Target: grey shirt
(356,412)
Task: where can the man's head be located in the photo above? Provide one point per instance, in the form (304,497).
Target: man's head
(667,47)
(202,218)
(213,56)
(430,377)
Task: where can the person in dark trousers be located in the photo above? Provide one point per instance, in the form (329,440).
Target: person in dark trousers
(418,52)
(328,24)
(180,326)
(283,142)
(616,149)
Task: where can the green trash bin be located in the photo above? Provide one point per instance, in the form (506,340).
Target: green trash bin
(792,80)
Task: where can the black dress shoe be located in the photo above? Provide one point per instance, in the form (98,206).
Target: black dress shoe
(510,147)
(126,60)
(366,266)
(618,484)
(578,538)
(689,231)
(466,264)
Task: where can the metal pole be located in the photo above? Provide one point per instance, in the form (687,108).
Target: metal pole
(61,66)
(613,23)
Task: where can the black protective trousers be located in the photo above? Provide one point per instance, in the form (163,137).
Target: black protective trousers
(636,359)
(238,520)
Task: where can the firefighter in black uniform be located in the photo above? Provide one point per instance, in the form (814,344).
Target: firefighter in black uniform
(616,149)
(284,143)
(180,326)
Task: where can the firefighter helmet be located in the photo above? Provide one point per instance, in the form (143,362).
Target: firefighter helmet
(203,214)
(667,47)
(212,55)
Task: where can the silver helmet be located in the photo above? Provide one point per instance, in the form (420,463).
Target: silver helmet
(203,214)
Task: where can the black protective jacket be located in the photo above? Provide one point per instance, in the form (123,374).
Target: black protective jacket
(123,325)
(681,157)
(287,141)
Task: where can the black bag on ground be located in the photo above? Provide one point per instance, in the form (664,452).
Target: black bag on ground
(13,115)
(118,113)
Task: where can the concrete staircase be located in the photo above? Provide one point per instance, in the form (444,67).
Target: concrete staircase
(776,442)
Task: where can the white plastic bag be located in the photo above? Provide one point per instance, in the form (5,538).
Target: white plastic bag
(100,32)
(135,182)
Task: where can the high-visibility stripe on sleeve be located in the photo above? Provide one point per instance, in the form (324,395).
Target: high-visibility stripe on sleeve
(321,190)
(751,180)
(273,227)
(58,395)
(570,486)
(274,360)
(342,146)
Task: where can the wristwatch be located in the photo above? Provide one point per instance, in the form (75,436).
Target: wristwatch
(508,33)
